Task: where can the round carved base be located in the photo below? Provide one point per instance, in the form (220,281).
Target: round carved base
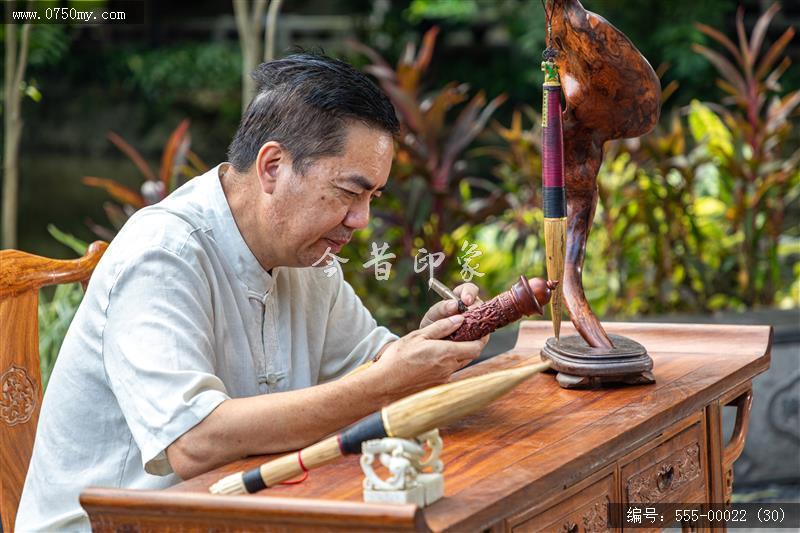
(581,366)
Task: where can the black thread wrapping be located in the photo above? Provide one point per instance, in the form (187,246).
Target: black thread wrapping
(367,428)
(555,202)
(253,481)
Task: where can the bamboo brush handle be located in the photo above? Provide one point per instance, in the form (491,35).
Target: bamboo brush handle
(278,470)
(555,240)
(289,466)
(437,406)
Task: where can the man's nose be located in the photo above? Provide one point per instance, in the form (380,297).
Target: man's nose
(358,215)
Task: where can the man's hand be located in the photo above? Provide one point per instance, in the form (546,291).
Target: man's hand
(468,292)
(421,359)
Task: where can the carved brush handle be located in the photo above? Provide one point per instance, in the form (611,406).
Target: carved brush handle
(526,297)
(555,201)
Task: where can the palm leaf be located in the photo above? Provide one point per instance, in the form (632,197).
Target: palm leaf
(384,73)
(780,112)
(119,192)
(760,29)
(436,107)
(132,154)
(771,81)
(373,56)
(406,105)
(722,39)
(426,50)
(725,67)
(174,154)
(116,215)
(774,52)
(748,59)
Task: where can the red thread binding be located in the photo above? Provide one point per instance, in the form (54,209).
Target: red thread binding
(339,442)
(305,473)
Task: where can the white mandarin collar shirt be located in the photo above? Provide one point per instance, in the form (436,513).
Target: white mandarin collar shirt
(178,317)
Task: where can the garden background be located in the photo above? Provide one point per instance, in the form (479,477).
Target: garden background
(699,217)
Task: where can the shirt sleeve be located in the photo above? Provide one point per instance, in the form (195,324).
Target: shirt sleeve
(352,335)
(158,350)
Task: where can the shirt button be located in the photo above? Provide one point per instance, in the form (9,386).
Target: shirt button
(272,378)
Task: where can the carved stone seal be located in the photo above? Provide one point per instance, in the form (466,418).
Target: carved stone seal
(18,399)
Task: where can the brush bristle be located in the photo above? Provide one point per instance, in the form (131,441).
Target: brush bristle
(233,484)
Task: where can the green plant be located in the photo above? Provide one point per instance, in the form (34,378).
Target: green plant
(43,46)
(758,176)
(57,310)
(55,315)
(178,164)
(202,75)
(458,10)
(692,217)
(431,201)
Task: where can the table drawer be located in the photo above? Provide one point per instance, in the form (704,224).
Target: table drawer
(672,472)
(583,512)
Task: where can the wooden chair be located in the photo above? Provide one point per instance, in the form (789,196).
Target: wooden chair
(21,277)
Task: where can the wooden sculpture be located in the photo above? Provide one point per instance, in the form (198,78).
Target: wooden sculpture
(611,92)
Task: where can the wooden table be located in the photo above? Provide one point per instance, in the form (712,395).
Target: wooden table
(540,458)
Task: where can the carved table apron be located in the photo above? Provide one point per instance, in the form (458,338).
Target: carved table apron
(540,458)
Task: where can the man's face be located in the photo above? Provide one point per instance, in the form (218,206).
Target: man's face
(323,207)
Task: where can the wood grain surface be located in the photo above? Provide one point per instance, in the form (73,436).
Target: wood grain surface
(21,276)
(540,438)
(21,271)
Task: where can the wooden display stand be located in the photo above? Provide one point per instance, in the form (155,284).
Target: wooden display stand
(540,458)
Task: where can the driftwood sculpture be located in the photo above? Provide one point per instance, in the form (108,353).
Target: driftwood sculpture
(611,92)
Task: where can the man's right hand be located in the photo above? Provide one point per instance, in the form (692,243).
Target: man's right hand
(422,359)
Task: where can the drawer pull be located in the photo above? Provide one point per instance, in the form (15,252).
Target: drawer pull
(569,527)
(665,477)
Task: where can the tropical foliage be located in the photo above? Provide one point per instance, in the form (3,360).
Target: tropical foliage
(692,217)
(758,172)
(57,307)
(432,204)
(178,164)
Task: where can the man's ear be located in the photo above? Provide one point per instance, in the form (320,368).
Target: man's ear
(271,161)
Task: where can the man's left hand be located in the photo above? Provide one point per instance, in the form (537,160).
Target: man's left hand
(468,292)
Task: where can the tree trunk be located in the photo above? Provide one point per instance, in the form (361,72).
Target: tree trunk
(16,61)
(269,33)
(249,25)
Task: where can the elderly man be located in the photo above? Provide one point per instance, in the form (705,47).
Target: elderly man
(206,335)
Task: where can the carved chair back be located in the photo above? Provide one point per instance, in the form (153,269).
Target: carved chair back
(21,277)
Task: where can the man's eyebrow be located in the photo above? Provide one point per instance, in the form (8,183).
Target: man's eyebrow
(363,182)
